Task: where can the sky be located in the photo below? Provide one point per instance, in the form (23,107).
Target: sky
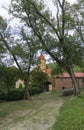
(5,3)
(4,13)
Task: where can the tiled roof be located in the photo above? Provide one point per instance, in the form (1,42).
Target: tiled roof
(41,57)
(77,74)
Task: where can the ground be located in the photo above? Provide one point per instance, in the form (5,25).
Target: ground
(38,114)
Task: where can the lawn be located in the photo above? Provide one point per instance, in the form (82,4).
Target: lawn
(71,115)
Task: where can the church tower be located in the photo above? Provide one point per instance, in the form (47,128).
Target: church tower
(42,63)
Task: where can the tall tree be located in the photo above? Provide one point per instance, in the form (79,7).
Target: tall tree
(20,50)
(54,33)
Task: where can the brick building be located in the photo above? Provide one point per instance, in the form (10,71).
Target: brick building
(62,80)
(65,80)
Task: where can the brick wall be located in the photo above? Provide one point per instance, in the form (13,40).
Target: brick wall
(57,83)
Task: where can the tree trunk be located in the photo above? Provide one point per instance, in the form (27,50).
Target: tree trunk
(74,80)
(26,91)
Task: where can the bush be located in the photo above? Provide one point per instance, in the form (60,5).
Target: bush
(34,90)
(15,95)
(3,96)
(18,94)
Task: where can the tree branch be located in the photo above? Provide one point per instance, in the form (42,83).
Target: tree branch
(14,57)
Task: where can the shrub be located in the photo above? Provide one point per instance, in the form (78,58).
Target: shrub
(34,90)
(3,96)
(15,95)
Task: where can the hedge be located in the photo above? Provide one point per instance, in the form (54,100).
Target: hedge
(17,94)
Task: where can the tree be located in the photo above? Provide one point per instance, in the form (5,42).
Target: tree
(8,77)
(57,70)
(38,78)
(78,14)
(53,33)
(20,50)
(2,48)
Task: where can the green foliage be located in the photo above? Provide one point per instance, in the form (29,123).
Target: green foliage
(38,79)
(3,95)
(71,115)
(20,86)
(13,95)
(65,49)
(3,24)
(20,50)
(78,69)
(18,94)
(58,70)
(8,76)
(52,65)
(33,90)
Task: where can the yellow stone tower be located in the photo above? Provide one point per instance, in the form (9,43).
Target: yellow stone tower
(42,63)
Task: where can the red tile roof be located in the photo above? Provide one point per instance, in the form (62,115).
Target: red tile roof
(77,74)
(41,57)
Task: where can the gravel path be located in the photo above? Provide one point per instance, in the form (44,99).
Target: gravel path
(37,119)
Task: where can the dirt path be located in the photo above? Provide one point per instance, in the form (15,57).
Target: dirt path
(41,118)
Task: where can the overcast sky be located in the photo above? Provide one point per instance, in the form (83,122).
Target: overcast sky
(5,3)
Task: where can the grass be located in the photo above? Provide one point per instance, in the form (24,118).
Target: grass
(16,111)
(71,115)
(11,107)
(38,113)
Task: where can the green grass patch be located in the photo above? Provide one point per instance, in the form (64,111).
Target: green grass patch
(71,115)
(14,107)
(10,108)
